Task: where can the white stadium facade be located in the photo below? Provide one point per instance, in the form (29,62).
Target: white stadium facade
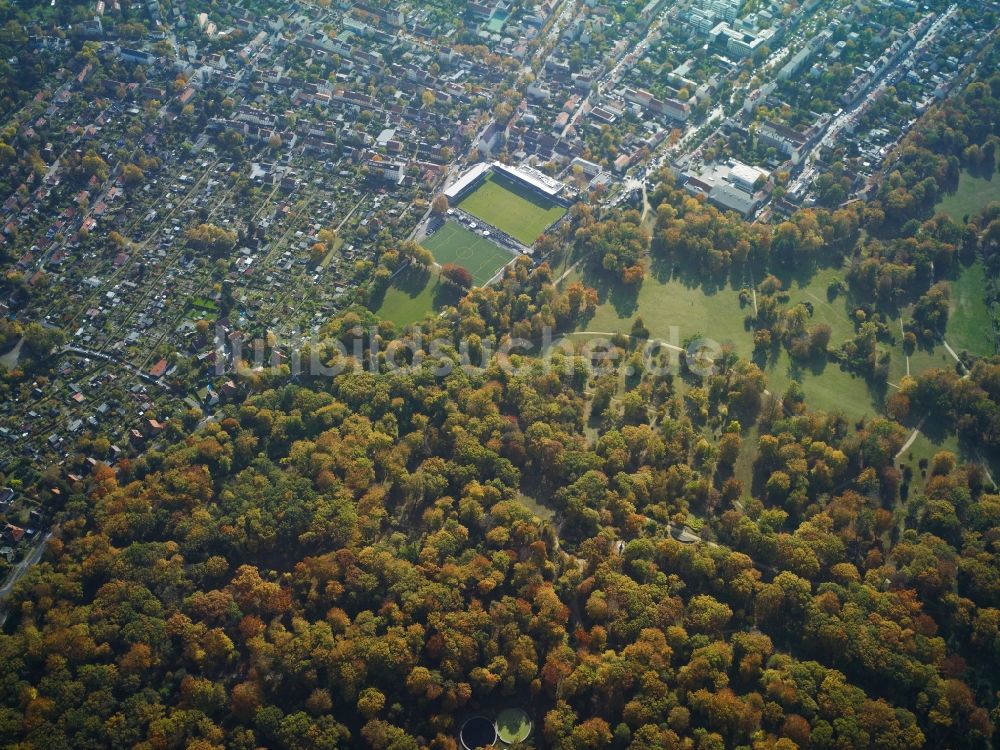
(534,180)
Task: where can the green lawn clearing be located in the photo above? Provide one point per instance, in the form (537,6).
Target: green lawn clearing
(203,304)
(675,310)
(410,297)
(923,448)
(535,507)
(969,326)
(924,358)
(970,197)
(512,208)
(749,448)
(453,243)
(826,387)
(836,312)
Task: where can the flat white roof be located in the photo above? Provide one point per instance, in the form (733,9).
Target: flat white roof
(466,179)
(532,177)
(746,173)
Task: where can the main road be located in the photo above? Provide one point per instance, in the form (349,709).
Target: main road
(32,558)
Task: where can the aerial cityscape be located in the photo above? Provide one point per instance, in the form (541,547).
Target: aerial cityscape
(446,374)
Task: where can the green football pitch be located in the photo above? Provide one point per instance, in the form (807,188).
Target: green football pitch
(453,243)
(512,208)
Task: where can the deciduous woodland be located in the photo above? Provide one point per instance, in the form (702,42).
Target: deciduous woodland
(352,564)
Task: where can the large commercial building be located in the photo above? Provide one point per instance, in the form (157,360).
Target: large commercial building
(740,43)
(730,185)
(727,9)
(704,15)
(672,108)
(746,177)
(730,198)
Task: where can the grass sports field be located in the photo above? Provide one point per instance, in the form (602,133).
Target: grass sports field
(512,208)
(453,243)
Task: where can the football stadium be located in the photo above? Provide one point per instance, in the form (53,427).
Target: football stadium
(519,201)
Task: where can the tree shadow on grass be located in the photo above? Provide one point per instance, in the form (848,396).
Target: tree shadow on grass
(669,267)
(412,281)
(802,276)
(446,294)
(935,428)
(985,170)
(622,297)
(927,346)
(878,391)
(377,297)
(814,365)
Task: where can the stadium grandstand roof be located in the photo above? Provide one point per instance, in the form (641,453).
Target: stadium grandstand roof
(456,188)
(532,177)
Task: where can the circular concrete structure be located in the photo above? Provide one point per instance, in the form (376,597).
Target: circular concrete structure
(477,731)
(513,725)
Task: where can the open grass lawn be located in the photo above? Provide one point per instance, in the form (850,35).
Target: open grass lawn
(9,358)
(827,387)
(969,325)
(932,438)
(924,358)
(535,507)
(453,243)
(969,328)
(743,470)
(835,312)
(971,196)
(512,208)
(337,244)
(203,304)
(413,295)
(716,313)
(667,299)
(924,447)
(672,310)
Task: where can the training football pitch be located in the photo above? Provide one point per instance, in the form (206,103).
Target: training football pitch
(453,243)
(512,208)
